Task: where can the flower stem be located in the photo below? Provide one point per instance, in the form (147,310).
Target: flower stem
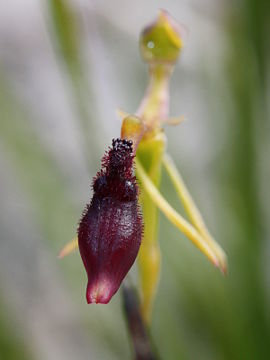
(191,209)
(175,218)
(137,330)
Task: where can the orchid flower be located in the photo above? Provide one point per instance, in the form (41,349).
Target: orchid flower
(160,44)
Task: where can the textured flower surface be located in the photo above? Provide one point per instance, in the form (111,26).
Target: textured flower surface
(110,230)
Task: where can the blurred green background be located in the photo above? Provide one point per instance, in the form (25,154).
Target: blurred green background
(65,66)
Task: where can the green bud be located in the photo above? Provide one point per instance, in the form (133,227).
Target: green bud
(161,41)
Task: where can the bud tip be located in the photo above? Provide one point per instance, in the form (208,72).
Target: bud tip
(100,291)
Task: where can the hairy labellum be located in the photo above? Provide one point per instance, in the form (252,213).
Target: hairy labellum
(110,230)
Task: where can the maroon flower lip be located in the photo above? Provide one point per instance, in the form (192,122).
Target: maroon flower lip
(110,231)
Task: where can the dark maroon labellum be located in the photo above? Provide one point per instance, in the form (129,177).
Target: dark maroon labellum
(110,230)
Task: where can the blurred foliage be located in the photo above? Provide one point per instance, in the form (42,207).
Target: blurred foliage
(36,169)
(11,345)
(66,33)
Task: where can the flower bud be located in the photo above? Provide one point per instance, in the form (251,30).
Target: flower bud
(110,230)
(161,41)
